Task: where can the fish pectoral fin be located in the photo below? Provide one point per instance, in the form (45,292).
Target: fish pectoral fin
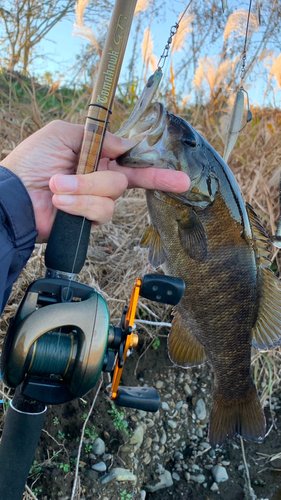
(146,237)
(266,333)
(192,235)
(243,416)
(157,255)
(184,349)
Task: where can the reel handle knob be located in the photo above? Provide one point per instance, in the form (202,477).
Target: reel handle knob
(162,288)
(140,398)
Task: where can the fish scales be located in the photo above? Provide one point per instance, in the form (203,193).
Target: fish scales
(215,299)
(217,245)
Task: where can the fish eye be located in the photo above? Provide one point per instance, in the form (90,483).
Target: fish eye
(189,140)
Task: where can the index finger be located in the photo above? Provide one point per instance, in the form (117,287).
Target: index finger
(151,178)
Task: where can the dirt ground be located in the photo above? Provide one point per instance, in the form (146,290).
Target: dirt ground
(53,471)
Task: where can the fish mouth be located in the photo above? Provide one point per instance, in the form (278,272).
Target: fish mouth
(149,130)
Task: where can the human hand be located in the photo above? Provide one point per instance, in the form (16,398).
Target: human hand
(46,163)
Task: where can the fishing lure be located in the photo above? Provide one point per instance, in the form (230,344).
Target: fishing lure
(235,124)
(151,87)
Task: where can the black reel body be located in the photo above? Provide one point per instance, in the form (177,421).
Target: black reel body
(57,342)
(61,339)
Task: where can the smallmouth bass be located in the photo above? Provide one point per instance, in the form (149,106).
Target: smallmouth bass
(213,241)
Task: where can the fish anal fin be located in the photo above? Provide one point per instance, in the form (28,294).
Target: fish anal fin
(152,238)
(192,235)
(266,333)
(243,416)
(183,348)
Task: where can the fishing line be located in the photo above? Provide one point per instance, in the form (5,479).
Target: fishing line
(243,69)
(173,31)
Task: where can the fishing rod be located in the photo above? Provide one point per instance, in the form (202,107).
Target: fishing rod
(60,338)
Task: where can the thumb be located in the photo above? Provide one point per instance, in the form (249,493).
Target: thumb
(114,146)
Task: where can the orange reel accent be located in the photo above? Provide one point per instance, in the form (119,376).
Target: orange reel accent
(131,341)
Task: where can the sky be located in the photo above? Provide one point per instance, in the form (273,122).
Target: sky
(61,47)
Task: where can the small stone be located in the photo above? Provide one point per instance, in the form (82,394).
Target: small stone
(205,445)
(163,438)
(199,432)
(124,474)
(143,494)
(137,437)
(200,409)
(98,447)
(198,479)
(92,475)
(178,456)
(159,384)
(107,477)
(187,390)
(142,413)
(164,481)
(195,467)
(172,424)
(146,459)
(187,476)
(161,450)
(219,474)
(212,454)
(106,435)
(148,442)
(99,467)
(159,469)
(149,422)
(175,476)
(165,406)
(179,405)
(214,487)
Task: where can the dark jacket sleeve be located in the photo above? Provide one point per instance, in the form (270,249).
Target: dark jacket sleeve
(17,231)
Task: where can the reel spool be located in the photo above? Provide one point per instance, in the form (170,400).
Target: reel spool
(61,339)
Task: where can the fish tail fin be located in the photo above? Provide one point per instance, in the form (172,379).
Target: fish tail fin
(243,416)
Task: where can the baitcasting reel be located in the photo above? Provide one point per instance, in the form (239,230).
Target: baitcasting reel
(61,339)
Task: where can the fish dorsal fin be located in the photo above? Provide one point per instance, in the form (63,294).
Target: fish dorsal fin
(192,235)
(267,330)
(260,236)
(157,255)
(184,349)
(266,333)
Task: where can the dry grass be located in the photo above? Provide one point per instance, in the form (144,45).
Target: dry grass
(115,258)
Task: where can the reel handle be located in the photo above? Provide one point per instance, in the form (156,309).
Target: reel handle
(140,398)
